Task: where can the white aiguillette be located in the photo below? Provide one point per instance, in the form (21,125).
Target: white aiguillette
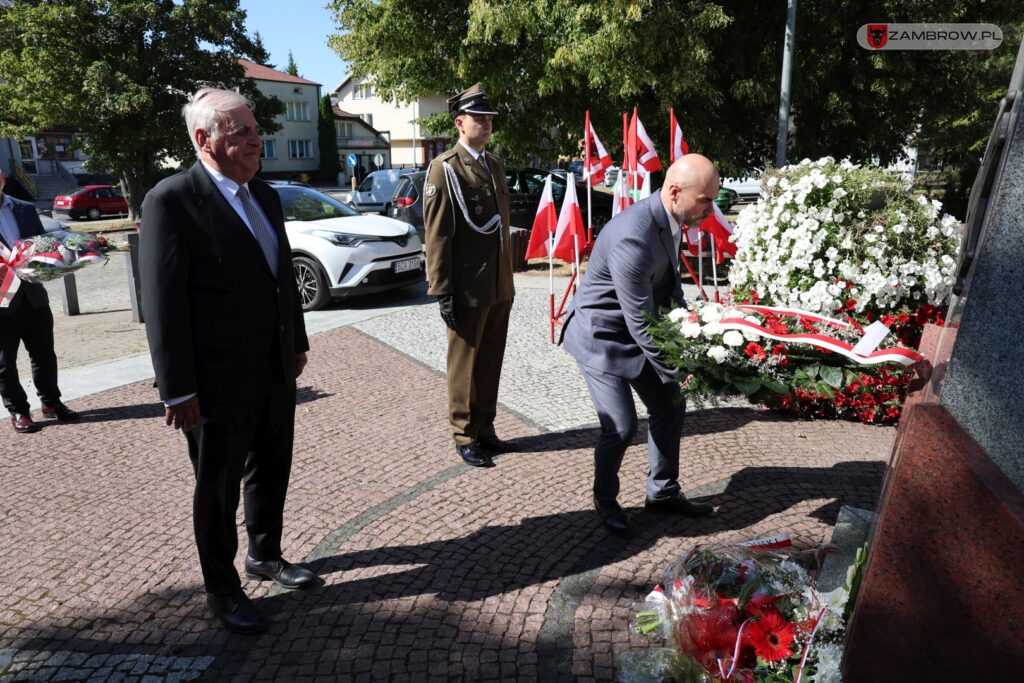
(873,336)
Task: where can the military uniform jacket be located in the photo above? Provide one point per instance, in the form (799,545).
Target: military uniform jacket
(475,268)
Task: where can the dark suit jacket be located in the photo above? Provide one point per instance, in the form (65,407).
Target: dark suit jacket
(219,324)
(632,271)
(29,293)
(476,269)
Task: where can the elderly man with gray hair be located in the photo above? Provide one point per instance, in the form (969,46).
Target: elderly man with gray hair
(228,341)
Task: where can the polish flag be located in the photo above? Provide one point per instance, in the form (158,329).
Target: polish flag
(641,149)
(598,158)
(716,227)
(678,142)
(620,196)
(645,189)
(543,224)
(570,235)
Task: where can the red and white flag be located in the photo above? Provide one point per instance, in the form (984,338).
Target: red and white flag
(645,188)
(598,158)
(571,234)
(718,228)
(543,224)
(620,195)
(641,149)
(677,144)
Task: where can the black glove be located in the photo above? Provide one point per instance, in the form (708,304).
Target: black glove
(447,304)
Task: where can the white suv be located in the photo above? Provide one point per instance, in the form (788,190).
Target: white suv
(337,252)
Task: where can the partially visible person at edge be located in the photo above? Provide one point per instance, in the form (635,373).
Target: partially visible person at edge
(228,341)
(469,266)
(27,318)
(634,271)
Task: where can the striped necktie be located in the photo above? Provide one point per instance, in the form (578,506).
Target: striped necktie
(264,233)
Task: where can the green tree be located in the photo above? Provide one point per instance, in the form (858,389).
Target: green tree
(292,68)
(260,54)
(330,163)
(717,62)
(120,71)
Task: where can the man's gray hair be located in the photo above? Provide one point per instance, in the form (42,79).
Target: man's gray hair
(204,108)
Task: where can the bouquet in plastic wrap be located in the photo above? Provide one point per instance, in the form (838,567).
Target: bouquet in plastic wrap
(49,256)
(746,613)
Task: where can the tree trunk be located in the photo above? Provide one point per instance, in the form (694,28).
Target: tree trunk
(135,182)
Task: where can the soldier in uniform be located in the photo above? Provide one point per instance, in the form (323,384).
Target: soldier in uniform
(469,266)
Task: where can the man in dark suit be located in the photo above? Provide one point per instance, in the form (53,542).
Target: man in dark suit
(634,271)
(469,265)
(227,340)
(27,318)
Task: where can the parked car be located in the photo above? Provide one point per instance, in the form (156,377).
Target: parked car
(576,166)
(525,186)
(92,202)
(375,192)
(407,202)
(726,198)
(747,189)
(337,253)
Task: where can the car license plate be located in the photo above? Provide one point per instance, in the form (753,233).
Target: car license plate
(406,265)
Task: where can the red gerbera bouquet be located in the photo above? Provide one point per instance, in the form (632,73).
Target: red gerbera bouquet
(745,613)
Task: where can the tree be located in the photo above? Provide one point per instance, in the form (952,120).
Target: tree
(330,164)
(292,68)
(260,54)
(717,62)
(120,71)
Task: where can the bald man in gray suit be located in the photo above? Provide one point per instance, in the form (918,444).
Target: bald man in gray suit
(634,271)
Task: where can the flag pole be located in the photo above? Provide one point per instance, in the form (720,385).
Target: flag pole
(700,260)
(714,269)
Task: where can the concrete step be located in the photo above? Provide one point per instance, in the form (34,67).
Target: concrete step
(49,186)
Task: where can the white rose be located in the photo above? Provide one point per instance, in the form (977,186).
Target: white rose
(718,353)
(677,314)
(690,329)
(732,338)
(711,330)
(710,314)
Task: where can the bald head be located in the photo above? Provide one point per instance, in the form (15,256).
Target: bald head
(691,185)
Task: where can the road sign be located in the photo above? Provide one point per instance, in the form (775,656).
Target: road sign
(378,160)
(351,160)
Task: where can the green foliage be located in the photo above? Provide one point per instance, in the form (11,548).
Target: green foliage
(330,163)
(260,55)
(718,63)
(120,71)
(292,67)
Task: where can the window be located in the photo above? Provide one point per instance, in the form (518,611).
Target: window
(363,91)
(268,151)
(368,118)
(297,111)
(300,149)
(343,129)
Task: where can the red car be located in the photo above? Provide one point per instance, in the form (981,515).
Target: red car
(91,201)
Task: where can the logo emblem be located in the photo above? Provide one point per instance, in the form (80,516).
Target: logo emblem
(878,35)
(430,189)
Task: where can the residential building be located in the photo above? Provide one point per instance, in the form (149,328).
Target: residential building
(409,147)
(360,142)
(293,149)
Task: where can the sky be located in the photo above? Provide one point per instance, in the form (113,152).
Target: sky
(301,26)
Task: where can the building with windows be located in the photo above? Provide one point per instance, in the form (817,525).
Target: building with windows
(293,149)
(360,142)
(409,147)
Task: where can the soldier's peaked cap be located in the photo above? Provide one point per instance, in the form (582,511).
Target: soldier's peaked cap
(473,100)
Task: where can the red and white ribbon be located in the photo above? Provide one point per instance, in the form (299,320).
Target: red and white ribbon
(904,357)
(10,260)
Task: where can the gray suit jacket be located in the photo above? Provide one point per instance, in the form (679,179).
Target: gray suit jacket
(632,271)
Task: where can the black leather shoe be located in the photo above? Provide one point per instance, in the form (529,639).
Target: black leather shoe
(612,516)
(677,505)
(496,445)
(473,454)
(236,612)
(281,571)
(61,412)
(23,424)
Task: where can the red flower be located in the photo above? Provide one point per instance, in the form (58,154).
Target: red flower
(771,636)
(755,351)
(887,320)
(851,304)
(710,630)
(867,416)
(779,350)
(808,325)
(903,318)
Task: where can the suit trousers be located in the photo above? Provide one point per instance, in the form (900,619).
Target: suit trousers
(616,412)
(249,443)
(476,351)
(34,326)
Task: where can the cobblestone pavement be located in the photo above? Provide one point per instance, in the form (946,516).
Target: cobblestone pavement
(430,570)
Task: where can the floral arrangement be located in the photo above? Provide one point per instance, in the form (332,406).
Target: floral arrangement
(746,613)
(838,239)
(55,254)
(768,354)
